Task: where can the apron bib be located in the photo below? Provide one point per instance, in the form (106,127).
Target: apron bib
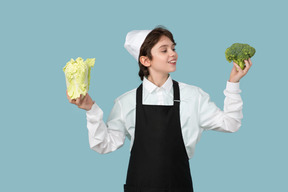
(158,160)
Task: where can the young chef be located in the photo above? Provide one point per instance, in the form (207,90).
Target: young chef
(163,118)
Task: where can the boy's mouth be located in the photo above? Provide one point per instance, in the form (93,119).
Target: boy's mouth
(172,62)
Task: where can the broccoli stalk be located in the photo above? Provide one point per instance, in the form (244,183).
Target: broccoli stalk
(241,64)
(238,53)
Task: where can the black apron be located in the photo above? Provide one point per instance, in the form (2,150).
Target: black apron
(158,160)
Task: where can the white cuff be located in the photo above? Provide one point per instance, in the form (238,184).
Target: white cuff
(233,87)
(95,113)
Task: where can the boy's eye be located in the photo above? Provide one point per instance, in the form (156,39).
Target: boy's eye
(164,51)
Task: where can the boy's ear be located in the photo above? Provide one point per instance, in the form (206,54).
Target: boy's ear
(145,61)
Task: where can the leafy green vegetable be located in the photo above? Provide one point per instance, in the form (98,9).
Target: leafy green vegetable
(238,53)
(77,73)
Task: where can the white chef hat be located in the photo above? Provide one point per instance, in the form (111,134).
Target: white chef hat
(134,40)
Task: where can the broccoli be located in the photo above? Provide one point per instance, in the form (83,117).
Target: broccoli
(238,53)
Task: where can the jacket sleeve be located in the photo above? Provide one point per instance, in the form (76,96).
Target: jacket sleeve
(213,118)
(105,138)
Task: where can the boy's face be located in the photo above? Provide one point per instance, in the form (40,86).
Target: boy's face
(164,57)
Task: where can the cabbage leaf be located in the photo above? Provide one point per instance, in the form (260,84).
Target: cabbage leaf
(77,73)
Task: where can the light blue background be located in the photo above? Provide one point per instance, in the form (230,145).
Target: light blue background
(43,139)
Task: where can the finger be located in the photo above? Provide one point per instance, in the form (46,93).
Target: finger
(248,65)
(234,69)
(85,98)
(82,97)
(77,101)
(68,97)
(246,62)
(73,101)
(237,67)
(250,62)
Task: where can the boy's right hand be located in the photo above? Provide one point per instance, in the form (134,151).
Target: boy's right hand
(83,102)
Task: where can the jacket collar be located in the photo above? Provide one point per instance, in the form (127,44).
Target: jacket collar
(150,87)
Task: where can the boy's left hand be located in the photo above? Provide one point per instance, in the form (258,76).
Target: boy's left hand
(237,73)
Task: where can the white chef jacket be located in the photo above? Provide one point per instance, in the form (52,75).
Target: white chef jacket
(197,113)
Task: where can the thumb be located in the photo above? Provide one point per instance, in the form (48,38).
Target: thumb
(236,66)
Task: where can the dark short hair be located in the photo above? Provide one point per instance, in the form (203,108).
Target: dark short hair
(152,39)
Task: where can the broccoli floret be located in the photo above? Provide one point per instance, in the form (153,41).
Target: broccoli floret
(238,53)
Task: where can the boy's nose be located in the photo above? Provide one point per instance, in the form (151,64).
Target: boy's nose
(172,53)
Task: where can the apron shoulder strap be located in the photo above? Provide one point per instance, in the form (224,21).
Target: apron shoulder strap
(176,93)
(139,95)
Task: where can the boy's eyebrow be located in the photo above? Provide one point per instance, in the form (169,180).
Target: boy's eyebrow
(167,45)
